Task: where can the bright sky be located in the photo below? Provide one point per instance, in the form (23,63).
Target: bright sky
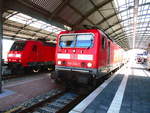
(6,47)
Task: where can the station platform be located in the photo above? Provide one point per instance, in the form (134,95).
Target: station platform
(21,89)
(127,91)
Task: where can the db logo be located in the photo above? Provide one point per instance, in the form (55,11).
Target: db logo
(74,56)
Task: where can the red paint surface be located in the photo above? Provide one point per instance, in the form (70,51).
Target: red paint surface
(100,54)
(43,53)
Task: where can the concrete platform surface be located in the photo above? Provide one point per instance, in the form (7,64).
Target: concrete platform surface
(127,91)
(20,90)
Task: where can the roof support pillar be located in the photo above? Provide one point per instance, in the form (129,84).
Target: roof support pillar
(1,37)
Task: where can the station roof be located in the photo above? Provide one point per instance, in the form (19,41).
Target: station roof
(20,26)
(125,21)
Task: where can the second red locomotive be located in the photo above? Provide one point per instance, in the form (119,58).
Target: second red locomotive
(88,54)
(31,54)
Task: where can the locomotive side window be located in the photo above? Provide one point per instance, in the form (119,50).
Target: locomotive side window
(67,41)
(18,46)
(108,53)
(103,42)
(84,40)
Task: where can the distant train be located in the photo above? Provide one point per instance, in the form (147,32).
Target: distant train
(31,54)
(85,56)
(148,62)
(148,57)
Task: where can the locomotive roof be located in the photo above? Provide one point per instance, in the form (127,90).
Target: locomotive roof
(44,42)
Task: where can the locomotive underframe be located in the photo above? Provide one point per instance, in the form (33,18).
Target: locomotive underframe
(16,66)
(34,64)
(82,75)
(79,75)
(77,69)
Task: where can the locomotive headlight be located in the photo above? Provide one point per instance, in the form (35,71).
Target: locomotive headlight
(10,55)
(18,55)
(59,62)
(89,64)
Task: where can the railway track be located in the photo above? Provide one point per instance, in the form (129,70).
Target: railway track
(34,101)
(55,101)
(62,104)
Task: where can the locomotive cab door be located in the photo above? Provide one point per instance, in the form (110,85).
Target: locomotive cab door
(35,53)
(108,53)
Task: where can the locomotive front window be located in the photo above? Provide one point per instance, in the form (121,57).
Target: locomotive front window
(18,46)
(84,40)
(67,41)
(76,40)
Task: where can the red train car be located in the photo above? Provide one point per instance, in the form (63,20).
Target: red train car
(31,54)
(89,53)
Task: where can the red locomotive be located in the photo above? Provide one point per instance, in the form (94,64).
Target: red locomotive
(31,54)
(88,54)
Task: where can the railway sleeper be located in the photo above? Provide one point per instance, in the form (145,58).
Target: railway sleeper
(57,104)
(33,102)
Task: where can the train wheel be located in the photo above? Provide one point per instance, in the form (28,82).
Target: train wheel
(94,82)
(49,69)
(36,70)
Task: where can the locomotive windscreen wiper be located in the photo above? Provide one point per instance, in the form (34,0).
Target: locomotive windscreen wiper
(90,44)
(60,45)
